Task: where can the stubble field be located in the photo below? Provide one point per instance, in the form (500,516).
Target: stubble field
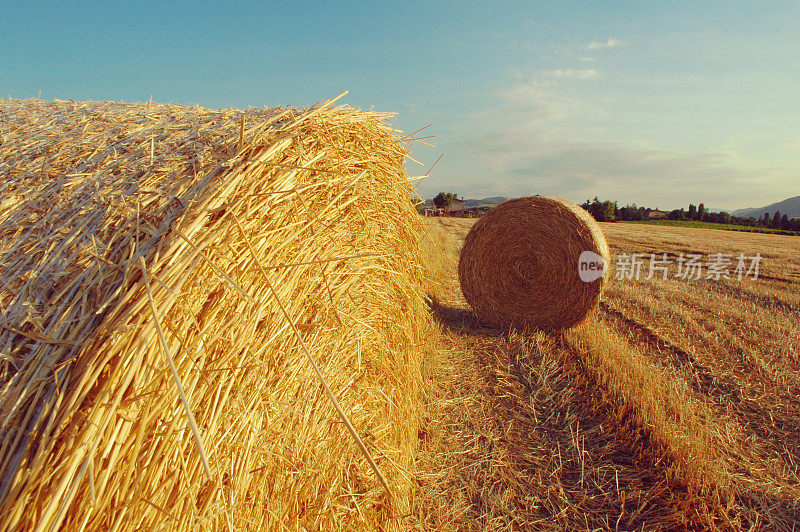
(675,405)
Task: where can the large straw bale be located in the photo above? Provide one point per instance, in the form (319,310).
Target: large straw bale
(520,263)
(217,206)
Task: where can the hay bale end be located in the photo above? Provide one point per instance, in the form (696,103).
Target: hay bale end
(520,264)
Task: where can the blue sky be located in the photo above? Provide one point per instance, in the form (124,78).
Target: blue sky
(658,104)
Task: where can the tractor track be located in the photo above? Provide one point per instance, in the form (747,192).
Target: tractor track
(765,302)
(702,380)
(765,422)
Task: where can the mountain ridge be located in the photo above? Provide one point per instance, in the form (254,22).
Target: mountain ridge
(790,207)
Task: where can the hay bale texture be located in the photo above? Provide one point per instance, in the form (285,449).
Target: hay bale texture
(120,223)
(519,264)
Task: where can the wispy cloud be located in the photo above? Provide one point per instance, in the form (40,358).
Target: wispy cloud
(610,43)
(538,100)
(625,171)
(528,141)
(571,73)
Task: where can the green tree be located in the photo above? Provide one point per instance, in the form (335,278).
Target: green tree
(692,214)
(676,214)
(443,199)
(607,211)
(702,212)
(632,212)
(776,220)
(602,211)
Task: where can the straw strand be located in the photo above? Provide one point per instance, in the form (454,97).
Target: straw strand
(321,377)
(157,322)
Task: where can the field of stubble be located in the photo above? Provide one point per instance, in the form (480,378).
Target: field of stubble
(675,405)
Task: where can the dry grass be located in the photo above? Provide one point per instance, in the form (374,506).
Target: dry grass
(163,270)
(674,406)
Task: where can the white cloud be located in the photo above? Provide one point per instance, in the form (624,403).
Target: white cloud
(571,73)
(532,139)
(537,100)
(610,43)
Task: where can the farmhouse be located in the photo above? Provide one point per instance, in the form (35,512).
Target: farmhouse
(456,207)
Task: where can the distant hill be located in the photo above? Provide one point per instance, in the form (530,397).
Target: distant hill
(790,207)
(476,203)
(485,202)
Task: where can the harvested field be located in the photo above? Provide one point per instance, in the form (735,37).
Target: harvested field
(674,406)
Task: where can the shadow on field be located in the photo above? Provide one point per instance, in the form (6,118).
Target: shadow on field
(461,321)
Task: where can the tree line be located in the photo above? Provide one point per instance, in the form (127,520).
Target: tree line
(608,211)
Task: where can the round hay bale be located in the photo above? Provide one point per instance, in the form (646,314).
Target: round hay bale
(534,261)
(167,276)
